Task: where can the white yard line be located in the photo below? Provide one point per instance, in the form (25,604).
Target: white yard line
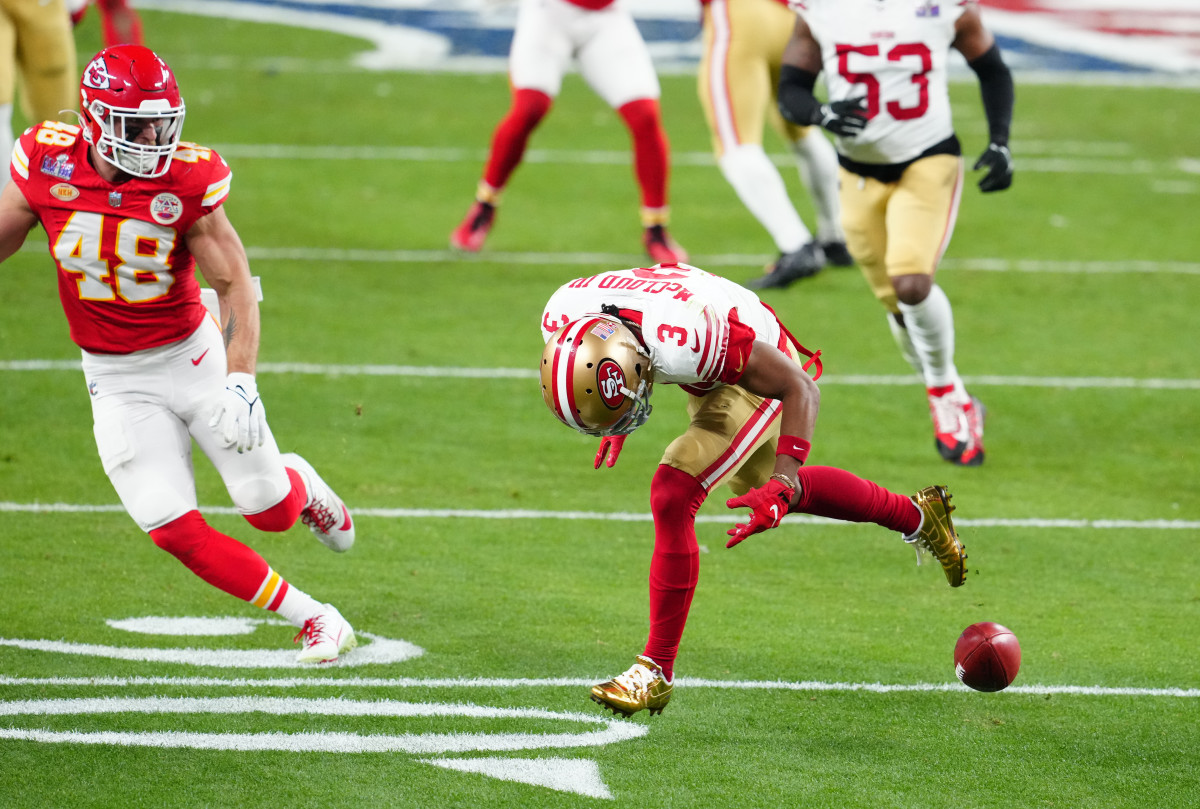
(1056,524)
(857,380)
(1054,163)
(575,682)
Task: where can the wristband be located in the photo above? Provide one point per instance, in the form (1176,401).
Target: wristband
(797,448)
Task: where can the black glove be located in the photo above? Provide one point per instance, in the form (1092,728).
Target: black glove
(999,164)
(845,118)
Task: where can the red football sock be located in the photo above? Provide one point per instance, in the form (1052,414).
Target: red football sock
(282,515)
(221,560)
(122,25)
(651,152)
(512,134)
(831,492)
(675,497)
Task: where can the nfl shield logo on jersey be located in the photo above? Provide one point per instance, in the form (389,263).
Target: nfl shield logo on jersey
(928,9)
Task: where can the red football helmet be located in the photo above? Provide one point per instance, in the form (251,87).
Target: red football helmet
(596,377)
(125,88)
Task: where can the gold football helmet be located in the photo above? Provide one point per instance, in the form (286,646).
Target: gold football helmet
(596,377)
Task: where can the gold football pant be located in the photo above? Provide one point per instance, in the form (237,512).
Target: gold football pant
(37,48)
(731,438)
(901,228)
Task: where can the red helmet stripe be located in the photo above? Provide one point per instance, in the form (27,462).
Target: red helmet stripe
(564,372)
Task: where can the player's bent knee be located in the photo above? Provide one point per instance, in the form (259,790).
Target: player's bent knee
(181,536)
(258,495)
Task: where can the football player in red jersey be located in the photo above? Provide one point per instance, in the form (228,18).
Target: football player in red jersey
(751,411)
(616,64)
(131,212)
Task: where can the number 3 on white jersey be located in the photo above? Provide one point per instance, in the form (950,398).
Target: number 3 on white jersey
(139,272)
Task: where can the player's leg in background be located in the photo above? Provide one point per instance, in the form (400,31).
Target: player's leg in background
(8,84)
(122,25)
(45,51)
(733,83)
(616,64)
(921,216)
(816,162)
(539,56)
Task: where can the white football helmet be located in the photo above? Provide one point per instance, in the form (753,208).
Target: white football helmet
(124,87)
(596,377)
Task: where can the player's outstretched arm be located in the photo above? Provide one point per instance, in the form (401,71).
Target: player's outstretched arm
(16,220)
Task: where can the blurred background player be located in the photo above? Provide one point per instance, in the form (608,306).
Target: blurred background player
(901,166)
(37,51)
(120,23)
(738,81)
(752,410)
(614,61)
(130,213)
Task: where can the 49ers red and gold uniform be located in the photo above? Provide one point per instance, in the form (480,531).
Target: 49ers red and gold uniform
(698,330)
(125,277)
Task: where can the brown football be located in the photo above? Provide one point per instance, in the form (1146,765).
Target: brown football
(987,656)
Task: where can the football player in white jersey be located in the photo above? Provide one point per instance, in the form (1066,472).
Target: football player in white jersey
(738,81)
(752,409)
(885,64)
(614,61)
(131,212)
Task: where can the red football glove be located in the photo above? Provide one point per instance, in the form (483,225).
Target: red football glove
(610,445)
(768,506)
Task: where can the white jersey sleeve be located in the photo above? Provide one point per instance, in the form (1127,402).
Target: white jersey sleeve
(692,323)
(894,54)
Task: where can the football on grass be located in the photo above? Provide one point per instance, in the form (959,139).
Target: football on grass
(987,657)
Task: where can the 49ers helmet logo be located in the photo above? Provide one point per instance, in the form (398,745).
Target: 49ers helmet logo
(611,379)
(96,76)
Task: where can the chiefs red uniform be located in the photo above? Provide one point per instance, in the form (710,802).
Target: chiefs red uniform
(125,277)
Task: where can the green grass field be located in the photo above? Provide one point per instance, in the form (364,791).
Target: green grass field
(817,668)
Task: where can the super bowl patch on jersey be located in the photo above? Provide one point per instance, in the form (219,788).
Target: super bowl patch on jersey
(166,208)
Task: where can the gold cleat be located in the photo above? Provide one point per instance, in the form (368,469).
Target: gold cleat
(642,686)
(936,534)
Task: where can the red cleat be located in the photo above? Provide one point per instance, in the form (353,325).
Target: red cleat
(470,235)
(661,248)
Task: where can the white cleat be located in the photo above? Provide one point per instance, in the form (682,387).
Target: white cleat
(324,636)
(325,514)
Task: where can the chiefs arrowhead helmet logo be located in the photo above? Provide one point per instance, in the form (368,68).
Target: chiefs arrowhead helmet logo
(96,75)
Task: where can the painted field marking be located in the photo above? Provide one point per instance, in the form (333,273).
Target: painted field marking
(585,682)
(1091,164)
(625,516)
(857,380)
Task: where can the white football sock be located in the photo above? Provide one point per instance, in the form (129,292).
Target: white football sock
(905,344)
(930,326)
(761,189)
(297,606)
(816,160)
(6,139)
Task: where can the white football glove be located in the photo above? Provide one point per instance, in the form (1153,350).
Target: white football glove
(239,417)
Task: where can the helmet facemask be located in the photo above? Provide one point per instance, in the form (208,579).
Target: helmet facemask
(597,377)
(124,89)
(138,159)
